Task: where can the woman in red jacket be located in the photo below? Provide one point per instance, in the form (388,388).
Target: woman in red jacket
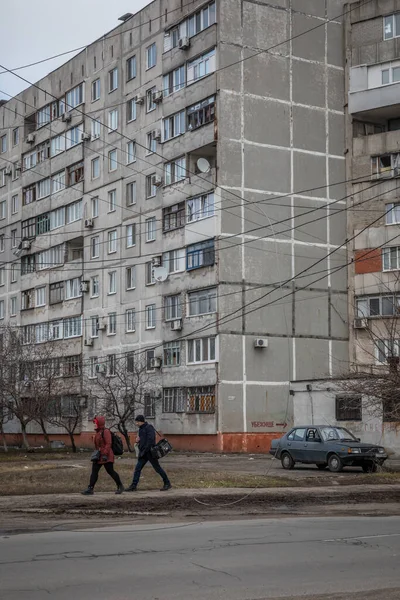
(102,442)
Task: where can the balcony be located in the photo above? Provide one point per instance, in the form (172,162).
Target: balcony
(369,99)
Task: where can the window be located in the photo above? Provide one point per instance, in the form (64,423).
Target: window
(172,307)
(3,177)
(112,200)
(387,165)
(202,302)
(149,273)
(201,399)
(151,144)
(391,26)
(391,74)
(201,113)
(130,320)
(348,408)
(201,66)
(130,152)
(43,188)
(150,354)
(174,260)
(94,286)
(1,309)
(130,278)
(201,350)
(95,90)
(112,241)
(3,209)
(391,258)
(52,257)
(74,97)
(131,193)
(174,81)
(149,406)
(14,205)
(174,400)
(113,120)
(58,182)
(94,326)
(174,216)
(174,126)
(151,56)
(175,170)
(201,19)
(2,245)
(151,189)
(376,306)
(43,223)
(384,349)
(13,306)
(172,354)
(112,323)
(113,80)
(95,131)
(150,316)
(72,327)
(131,68)
(112,161)
(57,219)
(112,282)
(200,207)
(74,136)
(28,264)
(29,160)
(57,146)
(13,273)
(200,255)
(94,202)
(95,247)
(95,168)
(151,229)
(3,144)
(15,137)
(56,292)
(72,366)
(131,110)
(150,104)
(130,235)
(112,364)
(2,276)
(13,238)
(75,173)
(40,296)
(392,213)
(73,288)
(93,364)
(74,211)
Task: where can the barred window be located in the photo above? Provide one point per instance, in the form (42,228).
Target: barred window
(348,407)
(201,399)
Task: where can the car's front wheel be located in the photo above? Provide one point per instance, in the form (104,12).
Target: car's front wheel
(322,466)
(370,467)
(287,461)
(335,463)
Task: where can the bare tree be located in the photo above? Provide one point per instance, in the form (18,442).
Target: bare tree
(123,387)
(66,412)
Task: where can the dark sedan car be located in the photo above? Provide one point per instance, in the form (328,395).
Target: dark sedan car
(326,446)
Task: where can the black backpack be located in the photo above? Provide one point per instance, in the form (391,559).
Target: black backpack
(117,445)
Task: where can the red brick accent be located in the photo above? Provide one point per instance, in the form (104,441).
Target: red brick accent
(368,261)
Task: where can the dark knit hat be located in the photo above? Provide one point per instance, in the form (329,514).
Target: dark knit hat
(140,419)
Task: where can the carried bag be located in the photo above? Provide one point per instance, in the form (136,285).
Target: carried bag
(161,449)
(95,456)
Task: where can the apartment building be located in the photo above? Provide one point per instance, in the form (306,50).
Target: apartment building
(168,191)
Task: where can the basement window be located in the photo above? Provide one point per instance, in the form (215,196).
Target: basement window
(348,407)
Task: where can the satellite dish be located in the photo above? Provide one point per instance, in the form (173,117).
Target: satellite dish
(160,274)
(203,165)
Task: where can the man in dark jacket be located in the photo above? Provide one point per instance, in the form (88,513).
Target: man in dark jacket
(146,440)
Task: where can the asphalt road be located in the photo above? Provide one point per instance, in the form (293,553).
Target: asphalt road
(318,558)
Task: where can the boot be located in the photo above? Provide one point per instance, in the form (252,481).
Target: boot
(131,488)
(88,492)
(166,487)
(120,489)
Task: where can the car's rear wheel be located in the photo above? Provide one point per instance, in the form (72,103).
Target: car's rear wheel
(335,463)
(370,467)
(322,466)
(287,461)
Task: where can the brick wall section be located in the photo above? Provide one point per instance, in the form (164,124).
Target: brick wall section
(368,261)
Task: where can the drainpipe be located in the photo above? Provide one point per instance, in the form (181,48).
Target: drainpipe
(309,390)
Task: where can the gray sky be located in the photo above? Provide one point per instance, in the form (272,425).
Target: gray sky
(31,31)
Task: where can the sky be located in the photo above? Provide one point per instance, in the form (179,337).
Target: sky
(31,31)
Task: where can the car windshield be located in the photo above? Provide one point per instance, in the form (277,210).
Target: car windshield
(337,433)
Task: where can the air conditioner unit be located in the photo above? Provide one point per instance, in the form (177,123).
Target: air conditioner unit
(360,323)
(84,286)
(88,342)
(67,117)
(7,171)
(184,43)
(156,180)
(102,326)
(176,325)
(157,97)
(25,245)
(85,137)
(89,223)
(101,369)
(260,343)
(157,134)
(156,261)
(155,363)
(139,99)
(30,138)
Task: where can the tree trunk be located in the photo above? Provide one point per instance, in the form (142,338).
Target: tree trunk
(123,430)
(44,431)
(72,438)
(3,436)
(25,443)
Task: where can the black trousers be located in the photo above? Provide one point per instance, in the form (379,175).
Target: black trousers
(109,467)
(142,461)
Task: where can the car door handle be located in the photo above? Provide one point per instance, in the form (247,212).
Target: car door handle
(289,443)
(305,445)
